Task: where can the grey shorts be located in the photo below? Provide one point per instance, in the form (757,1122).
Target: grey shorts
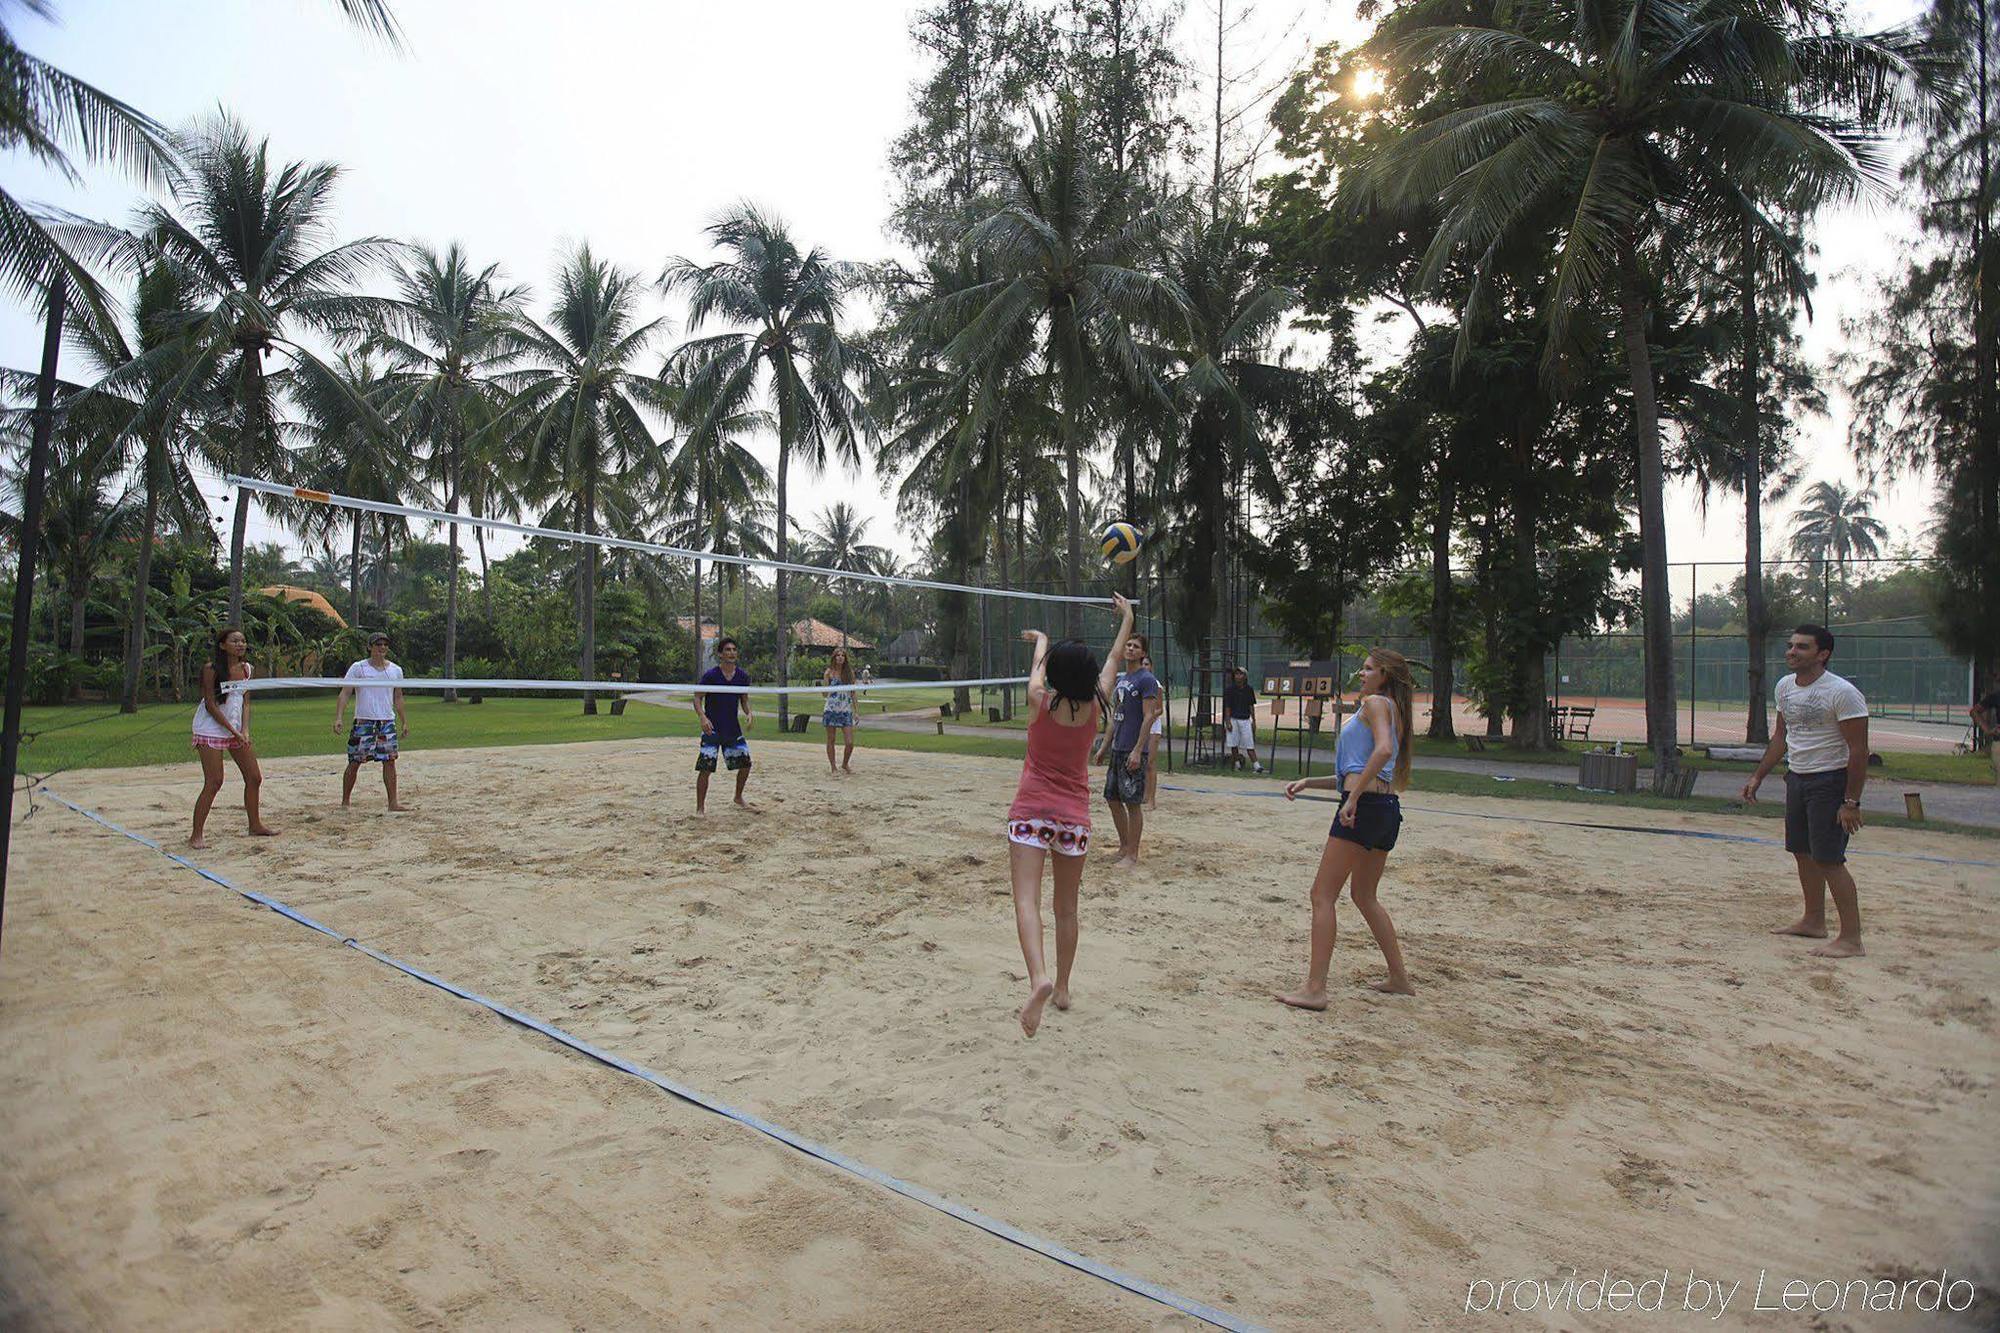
(1121,785)
(1812,815)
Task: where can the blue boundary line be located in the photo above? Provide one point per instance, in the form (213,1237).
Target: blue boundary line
(1614,828)
(1138,1286)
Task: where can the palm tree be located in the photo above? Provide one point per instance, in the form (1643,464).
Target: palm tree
(1223,381)
(790,349)
(1065,254)
(1610,120)
(448,335)
(840,541)
(349,450)
(57,119)
(1837,524)
(710,476)
(574,414)
(252,243)
(87,513)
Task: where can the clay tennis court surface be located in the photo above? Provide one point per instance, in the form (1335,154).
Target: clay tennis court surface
(216,1118)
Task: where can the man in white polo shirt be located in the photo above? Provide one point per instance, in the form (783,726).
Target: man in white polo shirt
(1823,734)
(378,718)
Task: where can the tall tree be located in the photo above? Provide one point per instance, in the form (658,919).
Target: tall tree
(576,411)
(838,539)
(789,349)
(1837,524)
(711,475)
(253,242)
(1923,366)
(448,335)
(1069,279)
(350,449)
(1224,380)
(1600,123)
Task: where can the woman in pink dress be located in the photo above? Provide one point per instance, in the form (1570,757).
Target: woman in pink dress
(1067,688)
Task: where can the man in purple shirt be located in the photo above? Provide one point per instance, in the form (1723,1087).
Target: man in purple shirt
(723,718)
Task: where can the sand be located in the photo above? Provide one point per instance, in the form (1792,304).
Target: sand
(217,1118)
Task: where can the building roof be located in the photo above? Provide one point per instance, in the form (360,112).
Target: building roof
(709,629)
(819,634)
(287,593)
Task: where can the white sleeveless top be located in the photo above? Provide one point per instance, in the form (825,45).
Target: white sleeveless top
(232,708)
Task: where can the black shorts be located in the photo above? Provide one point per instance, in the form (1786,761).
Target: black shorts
(1812,815)
(1378,817)
(1122,786)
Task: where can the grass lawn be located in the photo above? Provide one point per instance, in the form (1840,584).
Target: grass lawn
(94,736)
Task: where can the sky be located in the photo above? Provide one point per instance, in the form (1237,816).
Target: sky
(521,129)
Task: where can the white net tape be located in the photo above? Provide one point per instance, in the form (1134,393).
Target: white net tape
(263,683)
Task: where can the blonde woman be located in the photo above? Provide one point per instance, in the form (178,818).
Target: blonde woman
(838,715)
(1371,767)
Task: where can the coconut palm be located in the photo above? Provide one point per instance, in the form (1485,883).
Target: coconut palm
(1222,381)
(1607,124)
(88,511)
(1837,524)
(252,242)
(348,448)
(574,414)
(839,540)
(59,121)
(710,475)
(447,336)
(788,351)
(1067,256)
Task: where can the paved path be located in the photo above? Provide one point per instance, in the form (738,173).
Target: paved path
(1952,801)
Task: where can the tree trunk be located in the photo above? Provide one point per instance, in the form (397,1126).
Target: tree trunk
(1654,602)
(1006,612)
(135,632)
(485,574)
(451,578)
(1531,710)
(784,627)
(1758,729)
(354,576)
(1441,727)
(252,377)
(588,613)
(696,659)
(1985,471)
(79,589)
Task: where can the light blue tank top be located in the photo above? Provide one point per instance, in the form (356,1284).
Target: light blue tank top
(1357,742)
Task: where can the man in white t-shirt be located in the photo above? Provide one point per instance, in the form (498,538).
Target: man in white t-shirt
(1823,735)
(378,718)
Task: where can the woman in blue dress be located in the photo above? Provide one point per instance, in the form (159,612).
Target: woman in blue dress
(839,712)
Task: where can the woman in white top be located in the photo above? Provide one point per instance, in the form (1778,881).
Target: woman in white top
(222,726)
(838,714)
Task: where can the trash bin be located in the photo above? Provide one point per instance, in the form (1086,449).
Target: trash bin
(1601,770)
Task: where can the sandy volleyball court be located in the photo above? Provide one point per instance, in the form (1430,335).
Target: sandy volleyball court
(219,1118)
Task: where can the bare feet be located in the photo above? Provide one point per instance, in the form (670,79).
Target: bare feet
(1031,1012)
(1314,1000)
(345,804)
(1061,998)
(398,809)
(198,843)
(1840,948)
(263,831)
(1125,861)
(1806,926)
(742,804)
(846,768)
(1393,987)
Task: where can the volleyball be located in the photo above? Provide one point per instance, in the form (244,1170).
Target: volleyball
(1121,543)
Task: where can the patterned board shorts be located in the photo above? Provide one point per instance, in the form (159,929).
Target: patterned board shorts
(1122,786)
(372,741)
(736,754)
(1055,835)
(830,718)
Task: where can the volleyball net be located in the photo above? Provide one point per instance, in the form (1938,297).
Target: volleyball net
(920,626)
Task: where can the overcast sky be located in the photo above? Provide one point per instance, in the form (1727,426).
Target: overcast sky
(520,128)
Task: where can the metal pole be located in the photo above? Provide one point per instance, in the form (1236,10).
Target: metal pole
(24,574)
(1694,605)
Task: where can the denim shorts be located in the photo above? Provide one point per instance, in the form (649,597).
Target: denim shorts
(1378,818)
